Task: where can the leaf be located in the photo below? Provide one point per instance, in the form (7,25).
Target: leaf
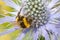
(1,11)
(5,9)
(5,13)
(6,25)
(58,37)
(18,2)
(28,36)
(5,37)
(15,1)
(1,16)
(9,14)
(15,34)
(41,38)
(9,9)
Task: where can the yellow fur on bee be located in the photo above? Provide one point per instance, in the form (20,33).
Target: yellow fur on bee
(26,23)
(17,19)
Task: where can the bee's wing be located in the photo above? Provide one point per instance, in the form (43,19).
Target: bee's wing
(14,23)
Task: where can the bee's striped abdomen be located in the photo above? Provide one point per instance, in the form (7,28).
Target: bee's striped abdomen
(22,25)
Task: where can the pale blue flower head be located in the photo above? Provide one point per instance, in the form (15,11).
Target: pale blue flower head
(46,19)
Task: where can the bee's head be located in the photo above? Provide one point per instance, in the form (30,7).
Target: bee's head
(19,18)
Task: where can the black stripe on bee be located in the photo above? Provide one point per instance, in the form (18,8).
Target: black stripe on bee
(22,25)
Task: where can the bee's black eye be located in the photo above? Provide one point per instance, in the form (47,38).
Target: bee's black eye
(20,18)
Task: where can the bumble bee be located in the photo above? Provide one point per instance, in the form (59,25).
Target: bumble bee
(22,21)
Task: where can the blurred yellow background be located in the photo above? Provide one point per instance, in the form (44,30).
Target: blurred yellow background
(5,37)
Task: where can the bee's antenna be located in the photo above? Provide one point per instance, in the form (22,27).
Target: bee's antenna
(20,10)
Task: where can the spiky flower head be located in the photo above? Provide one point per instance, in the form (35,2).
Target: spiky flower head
(37,10)
(48,19)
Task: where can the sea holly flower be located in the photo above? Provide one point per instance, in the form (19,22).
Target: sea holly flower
(46,19)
